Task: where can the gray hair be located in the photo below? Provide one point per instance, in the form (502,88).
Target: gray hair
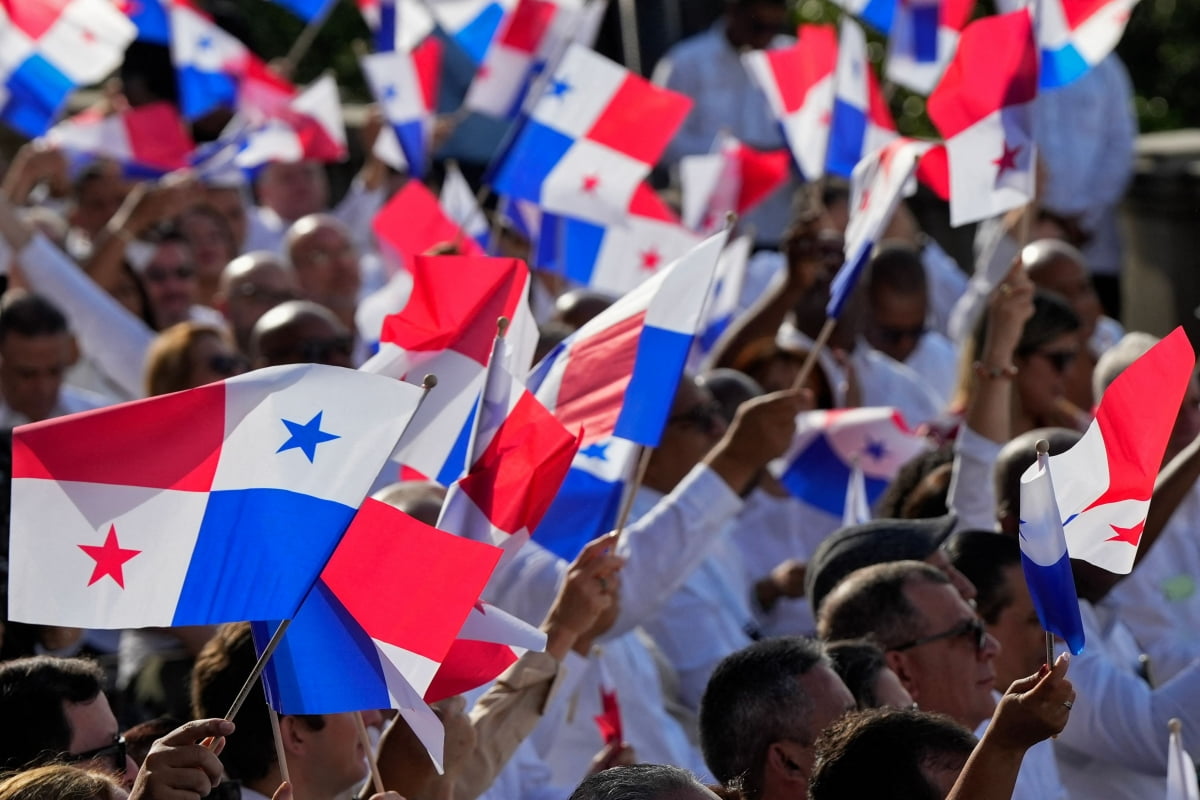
(639,782)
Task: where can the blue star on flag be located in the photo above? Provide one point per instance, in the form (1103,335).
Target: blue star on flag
(558,87)
(305,437)
(596,450)
(875,448)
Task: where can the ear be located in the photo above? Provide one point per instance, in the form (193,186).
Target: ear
(899,663)
(295,735)
(787,762)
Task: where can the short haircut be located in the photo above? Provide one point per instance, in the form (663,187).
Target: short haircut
(883,753)
(638,782)
(983,556)
(32,693)
(1017,456)
(752,700)
(870,603)
(30,315)
(896,497)
(60,782)
(858,663)
(896,267)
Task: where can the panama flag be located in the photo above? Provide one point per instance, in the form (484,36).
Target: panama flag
(924,37)
(147,141)
(150,19)
(307,10)
(876,13)
(213,505)
(1103,483)
(878,184)
(405,83)
(460,204)
(798,82)
(208,61)
(589,499)
(1044,557)
(413,221)
(733,178)
(447,329)
(861,121)
(617,375)
(50,47)
(519,455)
(817,466)
(490,642)
(309,128)
(397,24)
(983,107)
(590,140)
(472,24)
(724,301)
(619,257)
(1076,35)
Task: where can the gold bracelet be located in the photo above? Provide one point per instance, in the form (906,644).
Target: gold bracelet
(1007,372)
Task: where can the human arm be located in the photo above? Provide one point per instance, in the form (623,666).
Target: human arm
(785,580)
(33,164)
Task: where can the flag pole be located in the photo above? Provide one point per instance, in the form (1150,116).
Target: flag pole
(481,197)
(1043,456)
(811,361)
(644,453)
(280,753)
(305,40)
(361,727)
(256,673)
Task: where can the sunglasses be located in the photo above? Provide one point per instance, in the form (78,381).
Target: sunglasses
(896,335)
(115,752)
(971,629)
(705,418)
(226,364)
(318,351)
(1060,360)
(156,275)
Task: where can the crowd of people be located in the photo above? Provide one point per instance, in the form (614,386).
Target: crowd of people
(758,647)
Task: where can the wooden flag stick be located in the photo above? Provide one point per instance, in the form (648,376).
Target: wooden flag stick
(280,753)
(644,454)
(305,40)
(361,727)
(811,361)
(1043,454)
(256,673)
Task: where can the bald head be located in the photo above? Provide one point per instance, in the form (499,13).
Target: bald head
(300,332)
(249,286)
(421,500)
(1037,256)
(325,261)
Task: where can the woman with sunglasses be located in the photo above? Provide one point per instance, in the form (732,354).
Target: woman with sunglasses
(61,782)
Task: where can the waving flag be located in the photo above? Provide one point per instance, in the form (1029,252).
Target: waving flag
(861,121)
(307,10)
(589,499)
(413,221)
(405,84)
(1076,35)
(591,139)
(217,504)
(723,302)
(519,455)
(619,257)
(397,24)
(147,141)
(209,62)
(402,24)
(617,375)
(310,128)
(459,202)
(1103,483)
(150,19)
(447,329)
(50,47)
(857,510)
(609,718)
(924,37)
(984,109)
(490,642)
(798,82)
(817,466)
(877,186)
(1044,558)
(734,177)
(876,13)
(472,24)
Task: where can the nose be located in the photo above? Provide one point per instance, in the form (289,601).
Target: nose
(991,647)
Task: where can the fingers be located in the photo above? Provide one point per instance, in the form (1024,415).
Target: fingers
(596,548)
(192,732)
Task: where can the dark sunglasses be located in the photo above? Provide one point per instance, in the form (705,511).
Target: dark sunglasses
(156,275)
(706,418)
(114,751)
(896,335)
(226,364)
(971,629)
(318,351)
(1059,359)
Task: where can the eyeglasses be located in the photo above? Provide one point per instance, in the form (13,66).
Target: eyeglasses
(114,751)
(896,335)
(157,275)
(1060,360)
(318,351)
(706,418)
(971,629)
(226,364)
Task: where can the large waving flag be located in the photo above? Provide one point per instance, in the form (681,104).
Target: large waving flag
(376,626)
(50,47)
(447,329)
(798,82)
(217,504)
(878,14)
(724,302)
(1076,35)
(861,121)
(876,188)
(734,177)
(619,257)
(817,466)
(147,141)
(209,62)
(1044,557)
(590,140)
(309,128)
(1103,483)
(617,375)
(405,83)
(984,109)
(924,37)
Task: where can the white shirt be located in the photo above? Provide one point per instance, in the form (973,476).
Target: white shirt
(526,777)
(946,282)
(884,381)
(972,493)
(935,359)
(1038,778)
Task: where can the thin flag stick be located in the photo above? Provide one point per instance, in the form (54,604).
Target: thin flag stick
(1043,456)
(644,454)
(306,38)
(811,361)
(280,754)
(361,727)
(256,673)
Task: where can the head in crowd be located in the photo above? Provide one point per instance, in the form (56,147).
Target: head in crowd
(730,389)
(1057,267)
(251,285)
(57,713)
(890,754)
(97,193)
(752,24)
(695,425)
(169,276)
(897,300)
(300,332)
(421,500)
(577,307)
(642,782)
(835,197)
(190,354)
(993,563)
(762,711)
(775,363)
(61,782)
(862,667)
(293,190)
(228,198)
(36,349)
(324,756)
(213,246)
(877,542)
(920,487)
(932,639)
(814,248)
(325,261)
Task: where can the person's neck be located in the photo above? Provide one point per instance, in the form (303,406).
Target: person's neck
(267,784)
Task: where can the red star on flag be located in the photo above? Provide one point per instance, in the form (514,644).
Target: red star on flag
(109,558)
(826,119)
(590,182)
(865,200)
(483,72)
(650,259)
(1128,535)
(1007,159)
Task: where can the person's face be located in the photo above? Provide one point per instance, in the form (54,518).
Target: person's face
(694,426)
(98,199)
(308,340)
(830,701)
(170,279)
(326,265)
(229,204)
(953,672)
(896,322)
(889,691)
(210,243)
(294,190)
(94,728)
(210,360)
(255,293)
(1022,641)
(961,583)
(1041,376)
(1068,278)
(754,25)
(31,372)
(337,759)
